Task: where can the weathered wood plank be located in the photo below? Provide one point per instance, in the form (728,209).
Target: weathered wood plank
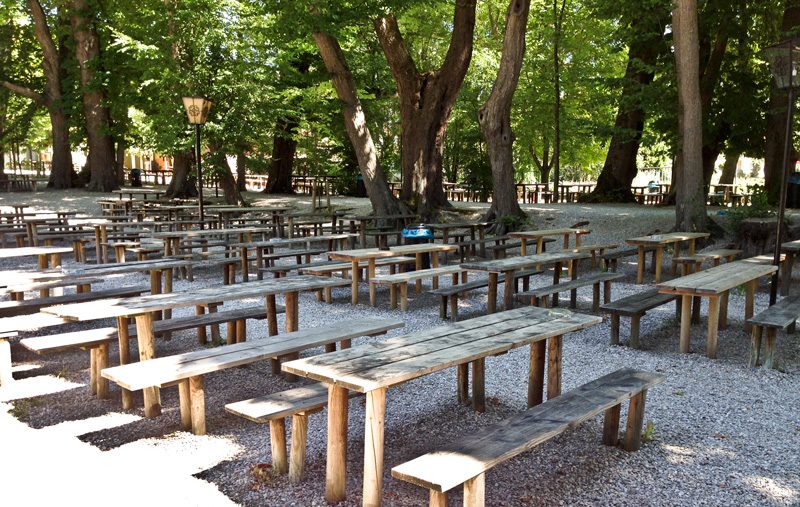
(28,306)
(717,279)
(638,304)
(780,315)
(509,263)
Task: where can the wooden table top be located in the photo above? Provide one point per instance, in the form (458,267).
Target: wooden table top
(206,232)
(547,232)
(457,225)
(83,270)
(381,217)
(524,261)
(294,241)
(669,237)
(362,254)
(395,360)
(791,246)
(718,279)
(27,251)
(127,307)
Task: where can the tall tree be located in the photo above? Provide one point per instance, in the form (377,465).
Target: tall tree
(426,101)
(690,210)
(495,117)
(102,160)
(558,22)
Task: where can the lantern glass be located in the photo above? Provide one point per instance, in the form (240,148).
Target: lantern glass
(197,109)
(784,60)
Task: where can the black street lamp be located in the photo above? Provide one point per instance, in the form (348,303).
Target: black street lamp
(784,59)
(197,109)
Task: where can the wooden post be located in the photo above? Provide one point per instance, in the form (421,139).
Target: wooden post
(508,297)
(686,323)
(658,262)
(202,339)
(124,357)
(101,358)
(492,303)
(614,329)
(373,447)
(633,432)
(554,354)
(479,385)
(536,373)
(198,404)
(277,441)
(755,346)
(611,425)
(713,320)
(336,464)
(749,296)
(186,405)
(769,348)
(437,499)
(634,340)
(640,267)
(147,351)
(463,383)
(354,275)
(474,491)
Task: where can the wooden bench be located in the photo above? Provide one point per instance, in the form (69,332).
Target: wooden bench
(17,292)
(499,251)
(595,250)
(467,246)
(269,259)
(635,307)
(453,291)
(187,370)
(781,315)
(28,306)
(541,295)
(274,408)
(693,263)
(610,258)
(467,460)
(329,268)
(400,280)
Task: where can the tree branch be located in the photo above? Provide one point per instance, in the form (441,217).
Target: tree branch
(27,93)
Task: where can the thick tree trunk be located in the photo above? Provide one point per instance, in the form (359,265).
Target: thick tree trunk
(184,182)
(284,147)
(690,210)
(380,195)
(426,101)
(545,164)
(776,120)
(495,118)
(241,172)
(729,167)
(97,115)
(61,171)
(120,161)
(225,173)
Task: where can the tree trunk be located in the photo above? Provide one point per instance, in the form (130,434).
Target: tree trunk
(120,161)
(557,106)
(426,102)
(495,118)
(380,195)
(690,210)
(545,164)
(776,120)
(184,183)
(241,172)
(97,115)
(284,147)
(729,167)
(226,179)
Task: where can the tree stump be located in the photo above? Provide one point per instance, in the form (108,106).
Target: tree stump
(757,236)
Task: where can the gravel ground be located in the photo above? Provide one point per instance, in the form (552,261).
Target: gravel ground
(724,434)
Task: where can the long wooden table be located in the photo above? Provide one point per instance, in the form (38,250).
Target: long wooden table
(715,284)
(144,308)
(472,226)
(363,219)
(372,368)
(539,236)
(44,253)
(658,241)
(511,264)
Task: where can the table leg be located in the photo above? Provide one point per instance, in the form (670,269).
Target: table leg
(463,383)
(566,241)
(676,252)
(336,464)
(556,278)
(373,297)
(523,246)
(686,323)
(373,447)
(554,354)
(292,307)
(578,239)
(492,303)
(640,268)
(723,310)
(354,273)
(243,254)
(481,233)
(479,385)
(508,299)
(658,260)
(98,248)
(124,357)
(536,373)
(104,238)
(713,323)
(749,296)
(155,288)
(418,267)
(147,350)
(434,264)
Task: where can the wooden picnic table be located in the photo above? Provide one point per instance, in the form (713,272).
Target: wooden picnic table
(143,191)
(172,239)
(658,241)
(511,264)
(370,254)
(715,284)
(472,226)
(144,308)
(539,236)
(46,254)
(789,250)
(372,368)
(363,219)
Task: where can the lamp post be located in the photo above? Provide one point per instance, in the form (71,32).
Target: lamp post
(197,109)
(784,60)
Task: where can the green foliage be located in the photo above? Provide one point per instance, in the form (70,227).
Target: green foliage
(20,409)
(514,222)
(759,208)
(649,432)
(263,474)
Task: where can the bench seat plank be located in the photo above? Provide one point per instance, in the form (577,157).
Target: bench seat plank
(283,404)
(14,308)
(472,455)
(781,315)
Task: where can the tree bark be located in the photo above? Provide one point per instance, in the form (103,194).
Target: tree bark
(97,115)
(690,210)
(776,119)
(241,172)
(184,183)
(226,179)
(284,147)
(380,195)
(729,167)
(545,164)
(426,102)
(495,118)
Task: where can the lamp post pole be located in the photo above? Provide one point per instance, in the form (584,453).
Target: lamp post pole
(199,176)
(787,149)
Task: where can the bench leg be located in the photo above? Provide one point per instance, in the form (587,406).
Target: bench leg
(611,425)
(463,383)
(606,292)
(713,328)
(596,297)
(536,373)
(696,302)
(404,296)
(393,296)
(5,362)
(102,363)
(241,331)
(336,462)
(769,348)
(231,335)
(686,323)
(492,303)
(442,307)
(328,295)
(633,432)
(723,310)
(474,490)
(93,371)
(438,499)
(277,441)
(614,329)
(124,357)
(373,447)
(479,385)
(297,456)
(454,308)
(573,298)
(755,346)
(634,340)
(202,339)
(186,405)
(554,354)
(216,339)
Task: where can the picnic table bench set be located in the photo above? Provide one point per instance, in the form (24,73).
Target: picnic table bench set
(529,318)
